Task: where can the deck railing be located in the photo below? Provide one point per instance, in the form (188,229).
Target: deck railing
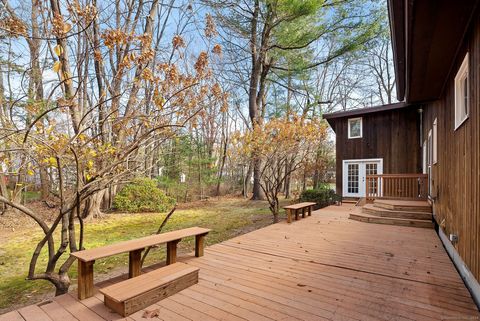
(397,186)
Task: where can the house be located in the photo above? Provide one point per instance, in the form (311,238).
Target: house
(367,143)
(435,131)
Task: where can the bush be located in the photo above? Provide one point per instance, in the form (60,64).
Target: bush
(322,196)
(142,195)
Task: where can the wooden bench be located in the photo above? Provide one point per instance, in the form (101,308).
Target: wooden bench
(132,295)
(297,207)
(86,258)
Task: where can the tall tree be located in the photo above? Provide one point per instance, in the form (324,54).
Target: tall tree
(258,33)
(58,129)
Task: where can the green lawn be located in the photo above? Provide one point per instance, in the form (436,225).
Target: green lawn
(226,217)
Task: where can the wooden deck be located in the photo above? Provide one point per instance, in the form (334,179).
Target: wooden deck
(323,267)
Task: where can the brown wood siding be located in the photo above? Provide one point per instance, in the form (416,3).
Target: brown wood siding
(456,176)
(391,135)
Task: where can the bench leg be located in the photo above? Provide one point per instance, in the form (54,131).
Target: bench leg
(289,215)
(296,215)
(172,252)
(134,263)
(199,244)
(85,279)
(310,211)
(303,212)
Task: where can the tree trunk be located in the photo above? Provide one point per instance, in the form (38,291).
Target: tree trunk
(316,178)
(246,181)
(222,166)
(287,179)
(3,190)
(257,188)
(275,208)
(304,184)
(94,205)
(109,196)
(62,284)
(44,183)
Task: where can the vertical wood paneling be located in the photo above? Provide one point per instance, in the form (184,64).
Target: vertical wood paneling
(457,173)
(392,135)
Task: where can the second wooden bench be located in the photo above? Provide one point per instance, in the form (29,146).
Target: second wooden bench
(295,208)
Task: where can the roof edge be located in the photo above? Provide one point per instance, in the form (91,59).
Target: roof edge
(396,18)
(366,110)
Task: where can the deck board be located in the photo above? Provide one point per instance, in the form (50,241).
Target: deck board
(34,313)
(57,312)
(11,316)
(323,267)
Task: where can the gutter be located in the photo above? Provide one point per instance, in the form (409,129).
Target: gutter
(468,278)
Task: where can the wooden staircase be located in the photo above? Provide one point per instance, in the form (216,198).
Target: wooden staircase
(395,212)
(350,200)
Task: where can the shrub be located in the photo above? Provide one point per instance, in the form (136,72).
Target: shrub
(322,196)
(142,195)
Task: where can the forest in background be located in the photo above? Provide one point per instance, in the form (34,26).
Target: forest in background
(202,98)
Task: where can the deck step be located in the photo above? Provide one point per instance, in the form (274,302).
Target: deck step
(134,294)
(371,209)
(409,206)
(367,218)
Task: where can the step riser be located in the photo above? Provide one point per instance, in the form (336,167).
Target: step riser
(397,214)
(391,221)
(152,296)
(422,209)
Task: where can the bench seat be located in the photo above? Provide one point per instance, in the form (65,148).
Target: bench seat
(137,244)
(134,294)
(299,206)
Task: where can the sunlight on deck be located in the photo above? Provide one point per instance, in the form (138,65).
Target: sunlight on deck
(323,267)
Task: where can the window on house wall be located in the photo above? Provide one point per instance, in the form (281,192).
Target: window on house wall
(462,93)
(355,127)
(434,147)
(430,161)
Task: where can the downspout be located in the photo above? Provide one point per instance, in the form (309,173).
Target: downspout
(420,113)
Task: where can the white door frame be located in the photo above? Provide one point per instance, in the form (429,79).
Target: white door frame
(361,174)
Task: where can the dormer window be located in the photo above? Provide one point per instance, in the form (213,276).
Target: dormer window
(462,98)
(355,127)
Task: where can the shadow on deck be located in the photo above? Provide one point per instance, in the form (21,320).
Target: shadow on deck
(323,267)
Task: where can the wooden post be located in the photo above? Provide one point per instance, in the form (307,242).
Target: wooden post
(172,252)
(199,244)
(289,215)
(134,263)
(85,279)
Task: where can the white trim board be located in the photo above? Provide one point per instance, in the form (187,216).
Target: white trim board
(364,160)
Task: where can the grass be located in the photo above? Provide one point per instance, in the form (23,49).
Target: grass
(31,196)
(226,217)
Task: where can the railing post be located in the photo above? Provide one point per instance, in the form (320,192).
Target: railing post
(367,192)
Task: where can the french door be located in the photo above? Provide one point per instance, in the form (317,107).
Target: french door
(355,172)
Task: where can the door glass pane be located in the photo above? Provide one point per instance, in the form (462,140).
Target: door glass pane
(352,178)
(371,169)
